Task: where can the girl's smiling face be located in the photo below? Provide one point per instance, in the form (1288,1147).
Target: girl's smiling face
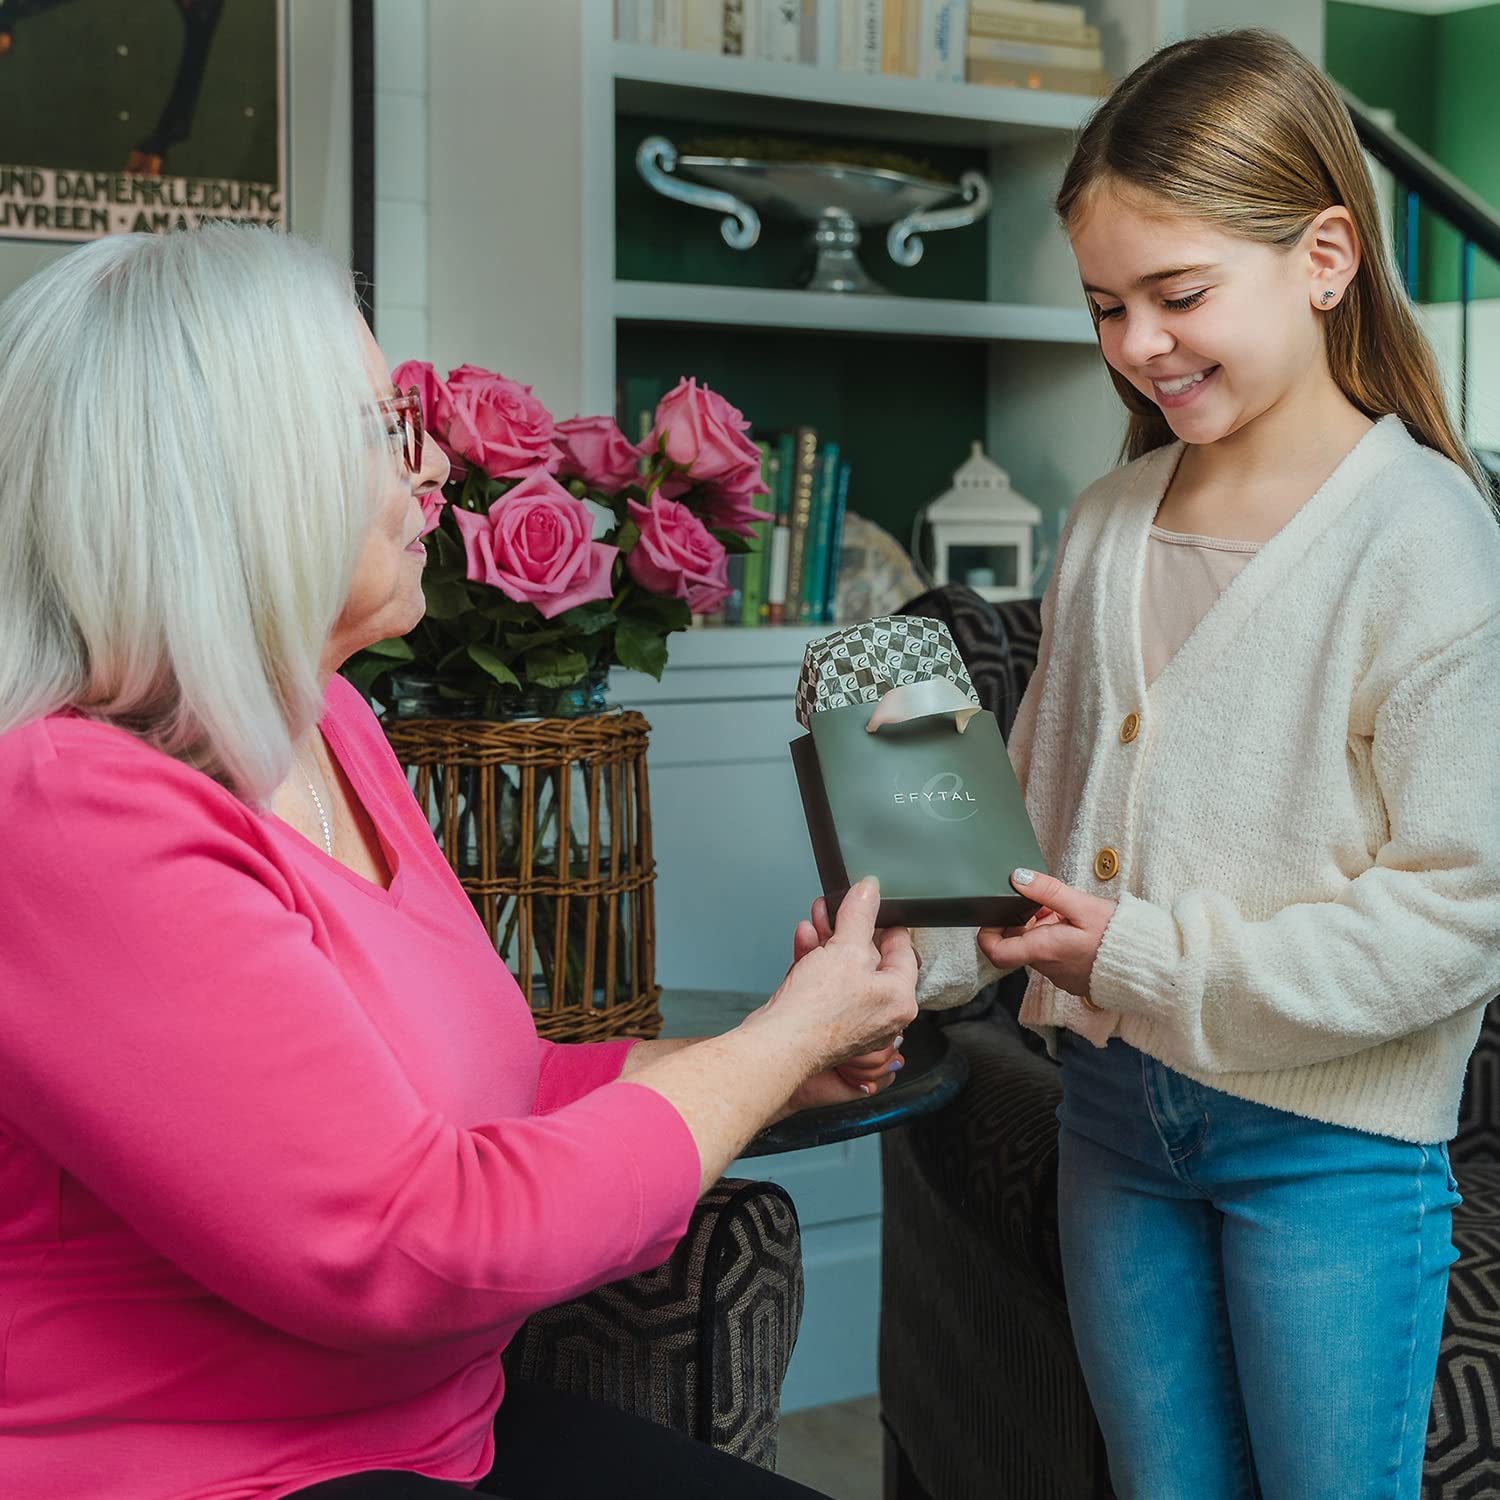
(1215,329)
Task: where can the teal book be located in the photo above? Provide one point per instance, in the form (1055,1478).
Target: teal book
(820,534)
(836,547)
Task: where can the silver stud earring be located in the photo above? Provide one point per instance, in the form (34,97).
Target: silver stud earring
(1327,297)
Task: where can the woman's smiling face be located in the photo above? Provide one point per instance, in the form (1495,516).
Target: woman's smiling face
(1215,329)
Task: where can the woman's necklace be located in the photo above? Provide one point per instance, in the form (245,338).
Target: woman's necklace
(322,811)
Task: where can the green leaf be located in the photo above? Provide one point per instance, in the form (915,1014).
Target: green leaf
(627,536)
(731,541)
(450,551)
(663,613)
(446,600)
(395,647)
(495,606)
(489,661)
(365,671)
(554,667)
(640,647)
(588,619)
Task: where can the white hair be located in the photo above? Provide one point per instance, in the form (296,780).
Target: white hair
(186,478)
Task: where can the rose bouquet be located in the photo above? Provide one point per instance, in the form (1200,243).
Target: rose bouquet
(560,549)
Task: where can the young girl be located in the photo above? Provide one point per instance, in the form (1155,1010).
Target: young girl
(1262,753)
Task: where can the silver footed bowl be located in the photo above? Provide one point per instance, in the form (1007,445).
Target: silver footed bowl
(831,197)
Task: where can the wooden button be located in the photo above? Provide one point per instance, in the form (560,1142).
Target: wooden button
(1106,863)
(1130,728)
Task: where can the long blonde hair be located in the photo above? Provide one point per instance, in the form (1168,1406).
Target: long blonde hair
(1239,130)
(187,476)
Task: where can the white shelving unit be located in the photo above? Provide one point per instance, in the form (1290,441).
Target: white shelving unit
(734,868)
(910,317)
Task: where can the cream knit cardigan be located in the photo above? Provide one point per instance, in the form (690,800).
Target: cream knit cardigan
(1308,821)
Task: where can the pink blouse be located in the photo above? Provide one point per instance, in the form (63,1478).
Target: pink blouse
(283,1163)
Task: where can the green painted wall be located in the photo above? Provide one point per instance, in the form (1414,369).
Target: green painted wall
(904,410)
(1466,134)
(1436,74)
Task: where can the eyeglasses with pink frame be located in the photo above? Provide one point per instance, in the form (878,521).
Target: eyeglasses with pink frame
(406,407)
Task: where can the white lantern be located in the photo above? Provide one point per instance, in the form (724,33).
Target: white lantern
(983,532)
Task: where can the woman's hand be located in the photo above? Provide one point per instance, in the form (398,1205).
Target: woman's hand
(1060,941)
(862,1075)
(847,997)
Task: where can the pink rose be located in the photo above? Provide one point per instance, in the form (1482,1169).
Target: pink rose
(731,510)
(677,557)
(535,547)
(594,449)
(498,425)
(701,432)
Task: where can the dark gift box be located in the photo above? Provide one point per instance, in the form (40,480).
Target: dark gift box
(904,777)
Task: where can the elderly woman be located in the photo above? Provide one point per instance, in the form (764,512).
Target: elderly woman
(283,1163)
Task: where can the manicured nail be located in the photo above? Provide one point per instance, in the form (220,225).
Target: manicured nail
(869,886)
(896,1063)
(901,1037)
(867,1088)
(1023,876)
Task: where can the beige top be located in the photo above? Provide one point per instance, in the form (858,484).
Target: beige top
(1184,577)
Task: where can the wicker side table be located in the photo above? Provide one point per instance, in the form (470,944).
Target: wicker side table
(547,824)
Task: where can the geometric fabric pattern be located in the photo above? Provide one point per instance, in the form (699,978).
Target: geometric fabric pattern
(862,662)
(980,1389)
(702,1342)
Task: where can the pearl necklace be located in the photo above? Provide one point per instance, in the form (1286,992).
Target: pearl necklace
(322,811)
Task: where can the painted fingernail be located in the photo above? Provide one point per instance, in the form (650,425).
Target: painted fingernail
(901,1037)
(1023,876)
(867,1088)
(896,1063)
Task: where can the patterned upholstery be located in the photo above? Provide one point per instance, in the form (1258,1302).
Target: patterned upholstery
(702,1343)
(979,1386)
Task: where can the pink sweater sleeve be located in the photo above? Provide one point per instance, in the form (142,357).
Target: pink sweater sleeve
(173,1035)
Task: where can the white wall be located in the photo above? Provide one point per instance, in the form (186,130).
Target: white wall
(402,168)
(505,255)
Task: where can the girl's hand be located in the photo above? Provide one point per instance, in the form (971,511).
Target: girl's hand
(1060,942)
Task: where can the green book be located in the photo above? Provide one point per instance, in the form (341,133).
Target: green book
(836,547)
(781,496)
(820,534)
(757,561)
(798,520)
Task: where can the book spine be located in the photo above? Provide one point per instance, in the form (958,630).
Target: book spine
(627,20)
(713,26)
(1039,10)
(848,35)
(958,37)
(1025,76)
(668,30)
(734,28)
(911,42)
(786,462)
(811,560)
(756,560)
(1034,54)
(820,32)
(783,35)
(893,31)
(692,25)
(752,27)
(836,547)
(815,594)
(867,47)
(929,26)
(801,512)
(1025,29)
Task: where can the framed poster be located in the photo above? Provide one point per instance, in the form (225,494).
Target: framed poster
(129,115)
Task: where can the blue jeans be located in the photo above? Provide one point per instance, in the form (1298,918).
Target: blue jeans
(1256,1298)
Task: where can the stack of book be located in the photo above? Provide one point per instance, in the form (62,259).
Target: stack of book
(790,577)
(1034,44)
(772,30)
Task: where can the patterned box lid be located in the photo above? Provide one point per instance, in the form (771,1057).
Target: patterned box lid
(860,663)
